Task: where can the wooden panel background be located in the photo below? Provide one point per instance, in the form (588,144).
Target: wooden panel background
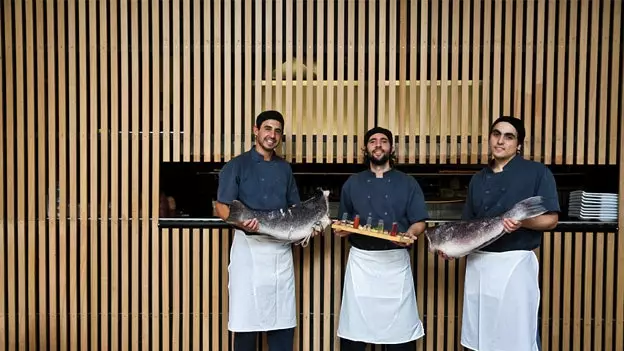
(95,94)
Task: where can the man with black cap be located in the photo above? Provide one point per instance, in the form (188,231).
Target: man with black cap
(261,273)
(501,291)
(379,302)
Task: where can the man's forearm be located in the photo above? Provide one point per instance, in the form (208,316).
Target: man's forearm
(416,228)
(543,222)
(222,210)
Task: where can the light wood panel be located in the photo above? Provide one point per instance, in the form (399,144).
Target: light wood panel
(94,95)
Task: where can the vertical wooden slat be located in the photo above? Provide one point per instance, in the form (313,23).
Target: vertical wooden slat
(570,114)
(361,107)
(352,119)
(83,200)
(268,64)
(329,152)
(312,79)
(582,84)
(205,288)
(73,248)
(196,48)
(227,81)
(586,278)
(52,183)
(550,84)
(444,83)
(339,248)
(184,290)
(598,264)
(339,112)
(382,41)
(496,89)
(238,116)
(556,317)
(424,128)
(521,43)
(392,79)
(156,159)
(403,49)
(40,218)
(166,88)
(225,245)
(3,178)
(214,295)
(455,119)
(546,288)
(529,85)
(30,192)
(328,290)
(176,314)
(93,133)
(413,116)
(196,288)
(507,55)
(465,84)
(434,83)
(208,46)
(615,81)
(146,171)
(125,191)
(593,84)
(476,83)
(175,75)
(604,39)
(246,128)
(577,278)
(136,115)
(619,314)
(300,115)
(279,54)
(560,86)
(114,181)
(372,47)
(297,116)
(610,314)
(288,86)
(568,295)
(485,109)
(320,108)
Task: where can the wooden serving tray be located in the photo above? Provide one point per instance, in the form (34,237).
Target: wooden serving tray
(373,233)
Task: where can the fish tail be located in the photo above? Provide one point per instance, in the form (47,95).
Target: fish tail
(238,212)
(527,208)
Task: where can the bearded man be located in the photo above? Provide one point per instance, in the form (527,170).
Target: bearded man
(379,301)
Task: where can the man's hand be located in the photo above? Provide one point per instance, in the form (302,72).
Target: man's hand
(340,233)
(511,225)
(250,225)
(444,256)
(409,234)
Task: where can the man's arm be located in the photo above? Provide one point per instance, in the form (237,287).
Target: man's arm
(544,222)
(223,211)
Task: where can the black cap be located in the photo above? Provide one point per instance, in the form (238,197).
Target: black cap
(376,130)
(270,114)
(516,123)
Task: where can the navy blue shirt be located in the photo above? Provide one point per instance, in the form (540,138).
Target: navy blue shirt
(491,194)
(396,197)
(259,184)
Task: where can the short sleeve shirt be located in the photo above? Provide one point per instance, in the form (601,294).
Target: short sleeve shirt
(259,184)
(396,197)
(492,194)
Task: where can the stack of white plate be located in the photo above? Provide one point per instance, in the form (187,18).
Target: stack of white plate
(593,206)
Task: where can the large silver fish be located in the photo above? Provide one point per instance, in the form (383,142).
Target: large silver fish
(291,225)
(457,239)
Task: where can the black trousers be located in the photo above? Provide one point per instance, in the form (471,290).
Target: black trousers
(350,345)
(279,340)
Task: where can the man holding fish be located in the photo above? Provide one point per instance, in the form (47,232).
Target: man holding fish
(261,272)
(501,290)
(379,302)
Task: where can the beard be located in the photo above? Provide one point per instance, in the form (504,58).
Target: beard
(382,160)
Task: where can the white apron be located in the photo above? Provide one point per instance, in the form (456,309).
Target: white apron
(261,285)
(501,299)
(379,302)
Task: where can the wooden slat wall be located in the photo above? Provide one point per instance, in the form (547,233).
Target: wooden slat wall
(95,94)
